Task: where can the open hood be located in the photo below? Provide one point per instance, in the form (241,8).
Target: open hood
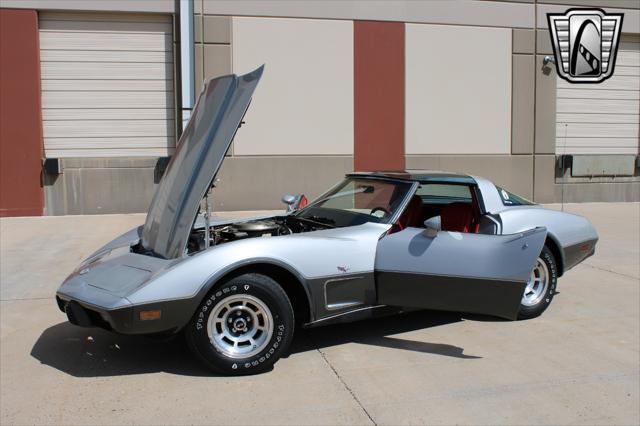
(196,161)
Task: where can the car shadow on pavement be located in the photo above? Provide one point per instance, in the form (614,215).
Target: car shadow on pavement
(378,332)
(93,352)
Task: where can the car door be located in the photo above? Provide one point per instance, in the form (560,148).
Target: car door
(456,271)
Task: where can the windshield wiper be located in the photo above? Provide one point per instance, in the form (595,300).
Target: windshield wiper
(323,220)
(317,220)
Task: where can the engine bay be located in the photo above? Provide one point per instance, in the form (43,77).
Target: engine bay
(260,228)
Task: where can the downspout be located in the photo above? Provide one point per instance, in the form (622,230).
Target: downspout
(187,79)
(187,64)
(183,74)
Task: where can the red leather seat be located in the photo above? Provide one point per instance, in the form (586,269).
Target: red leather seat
(458,217)
(411,216)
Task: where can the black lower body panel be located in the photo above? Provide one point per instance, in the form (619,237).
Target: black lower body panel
(576,253)
(459,294)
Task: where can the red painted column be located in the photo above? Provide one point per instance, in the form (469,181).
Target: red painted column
(378,95)
(21,149)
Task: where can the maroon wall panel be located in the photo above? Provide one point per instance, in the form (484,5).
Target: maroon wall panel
(378,65)
(20,115)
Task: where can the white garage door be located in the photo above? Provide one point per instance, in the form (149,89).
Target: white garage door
(107,85)
(602,118)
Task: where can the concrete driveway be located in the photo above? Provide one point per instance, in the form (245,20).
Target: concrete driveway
(577,364)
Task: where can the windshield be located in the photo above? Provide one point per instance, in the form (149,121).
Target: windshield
(356,201)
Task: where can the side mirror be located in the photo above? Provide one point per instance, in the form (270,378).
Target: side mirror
(432,226)
(288,199)
(294,202)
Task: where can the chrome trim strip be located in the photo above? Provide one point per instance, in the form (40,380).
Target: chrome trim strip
(410,193)
(342,305)
(344,313)
(498,224)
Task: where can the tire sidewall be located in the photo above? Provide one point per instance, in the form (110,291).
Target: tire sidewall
(533,311)
(281,313)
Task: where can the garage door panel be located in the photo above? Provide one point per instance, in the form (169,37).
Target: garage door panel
(105,56)
(596,145)
(135,27)
(108,114)
(130,151)
(626,71)
(614,83)
(149,142)
(602,118)
(628,59)
(601,106)
(581,93)
(108,85)
(627,45)
(106,128)
(106,16)
(99,70)
(599,130)
(107,100)
(105,41)
(598,118)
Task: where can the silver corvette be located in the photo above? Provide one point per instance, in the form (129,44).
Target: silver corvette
(374,244)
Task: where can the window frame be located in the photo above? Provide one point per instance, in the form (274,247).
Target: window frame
(474,190)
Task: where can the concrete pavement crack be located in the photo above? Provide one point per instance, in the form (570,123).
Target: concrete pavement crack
(19,299)
(611,271)
(353,395)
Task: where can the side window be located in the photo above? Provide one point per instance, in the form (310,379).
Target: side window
(511,199)
(444,194)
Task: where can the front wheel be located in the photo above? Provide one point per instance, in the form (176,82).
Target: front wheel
(243,326)
(541,286)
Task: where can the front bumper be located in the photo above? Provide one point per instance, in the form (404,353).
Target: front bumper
(96,295)
(175,314)
(86,315)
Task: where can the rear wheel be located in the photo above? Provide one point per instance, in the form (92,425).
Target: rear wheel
(243,326)
(541,286)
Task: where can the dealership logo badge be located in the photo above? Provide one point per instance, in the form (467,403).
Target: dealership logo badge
(585,43)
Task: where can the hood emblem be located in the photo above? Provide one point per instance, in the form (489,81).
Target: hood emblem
(343,269)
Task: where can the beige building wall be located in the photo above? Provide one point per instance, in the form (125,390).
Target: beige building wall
(458,90)
(304,104)
(518,151)
(517,14)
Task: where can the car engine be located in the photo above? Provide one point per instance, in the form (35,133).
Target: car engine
(271,227)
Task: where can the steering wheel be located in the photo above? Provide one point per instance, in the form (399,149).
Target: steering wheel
(385,210)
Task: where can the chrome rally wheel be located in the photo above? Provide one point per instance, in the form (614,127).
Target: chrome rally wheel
(243,325)
(541,286)
(240,326)
(537,285)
